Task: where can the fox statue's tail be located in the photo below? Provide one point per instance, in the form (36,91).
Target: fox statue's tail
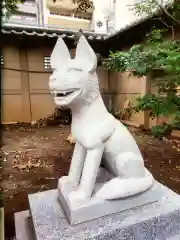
(125,187)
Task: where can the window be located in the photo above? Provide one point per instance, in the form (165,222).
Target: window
(53,13)
(47,64)
(23,17)
(15,16)
(81,16)
(73,14)
(60,14)
(29,2)
(137,1)
(29,18)
(2,61)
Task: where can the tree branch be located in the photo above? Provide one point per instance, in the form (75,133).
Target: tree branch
(166,12)
(168,26)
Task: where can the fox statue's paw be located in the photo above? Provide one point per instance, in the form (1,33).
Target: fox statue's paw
(77,198)
(66,181)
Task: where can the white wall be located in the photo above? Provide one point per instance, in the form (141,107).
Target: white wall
(124,16)
(99,14)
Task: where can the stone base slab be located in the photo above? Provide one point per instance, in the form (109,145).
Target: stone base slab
(96,208)
(156,221)
(24,231)
(23,226)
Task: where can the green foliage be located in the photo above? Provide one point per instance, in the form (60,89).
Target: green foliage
(159,60)
(169,13)
(145,7)
(82,5)
(9,6)
(161,131)
(142,59)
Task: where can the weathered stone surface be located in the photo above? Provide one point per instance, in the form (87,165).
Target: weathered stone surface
(176,237)
(24,230)
(95,208)
(23,226)
(155,221)
(99,136)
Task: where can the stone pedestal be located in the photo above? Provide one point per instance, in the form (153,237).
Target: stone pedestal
(96,208)
(159,220)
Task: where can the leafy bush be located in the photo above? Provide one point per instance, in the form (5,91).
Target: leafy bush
(159,60)
(161,131)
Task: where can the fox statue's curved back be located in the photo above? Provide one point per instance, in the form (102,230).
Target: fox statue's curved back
(74,83)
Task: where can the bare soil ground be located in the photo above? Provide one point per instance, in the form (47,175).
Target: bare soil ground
(34,159)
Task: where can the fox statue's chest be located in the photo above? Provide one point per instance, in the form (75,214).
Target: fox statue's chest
(86,135)
(93,134)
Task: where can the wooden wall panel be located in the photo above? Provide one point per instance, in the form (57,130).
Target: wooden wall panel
(11,80)
(42,105)
(11,108)
(11,86)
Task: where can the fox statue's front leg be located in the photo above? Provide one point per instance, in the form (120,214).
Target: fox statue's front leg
(88,178)
(83,172)
(76,167)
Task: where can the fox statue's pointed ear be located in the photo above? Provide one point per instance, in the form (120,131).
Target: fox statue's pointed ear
(60,54)
(85,55)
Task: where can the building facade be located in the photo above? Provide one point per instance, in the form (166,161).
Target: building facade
(46,13)
(61,14)
(107,16)
(26,14)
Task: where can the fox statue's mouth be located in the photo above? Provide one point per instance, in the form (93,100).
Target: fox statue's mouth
(65,97)
(63,94)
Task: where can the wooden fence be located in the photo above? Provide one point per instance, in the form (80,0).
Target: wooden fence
(25,92)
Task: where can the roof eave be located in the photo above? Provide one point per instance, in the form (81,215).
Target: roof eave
(51,32)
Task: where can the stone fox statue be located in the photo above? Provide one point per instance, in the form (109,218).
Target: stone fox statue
(98,134)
